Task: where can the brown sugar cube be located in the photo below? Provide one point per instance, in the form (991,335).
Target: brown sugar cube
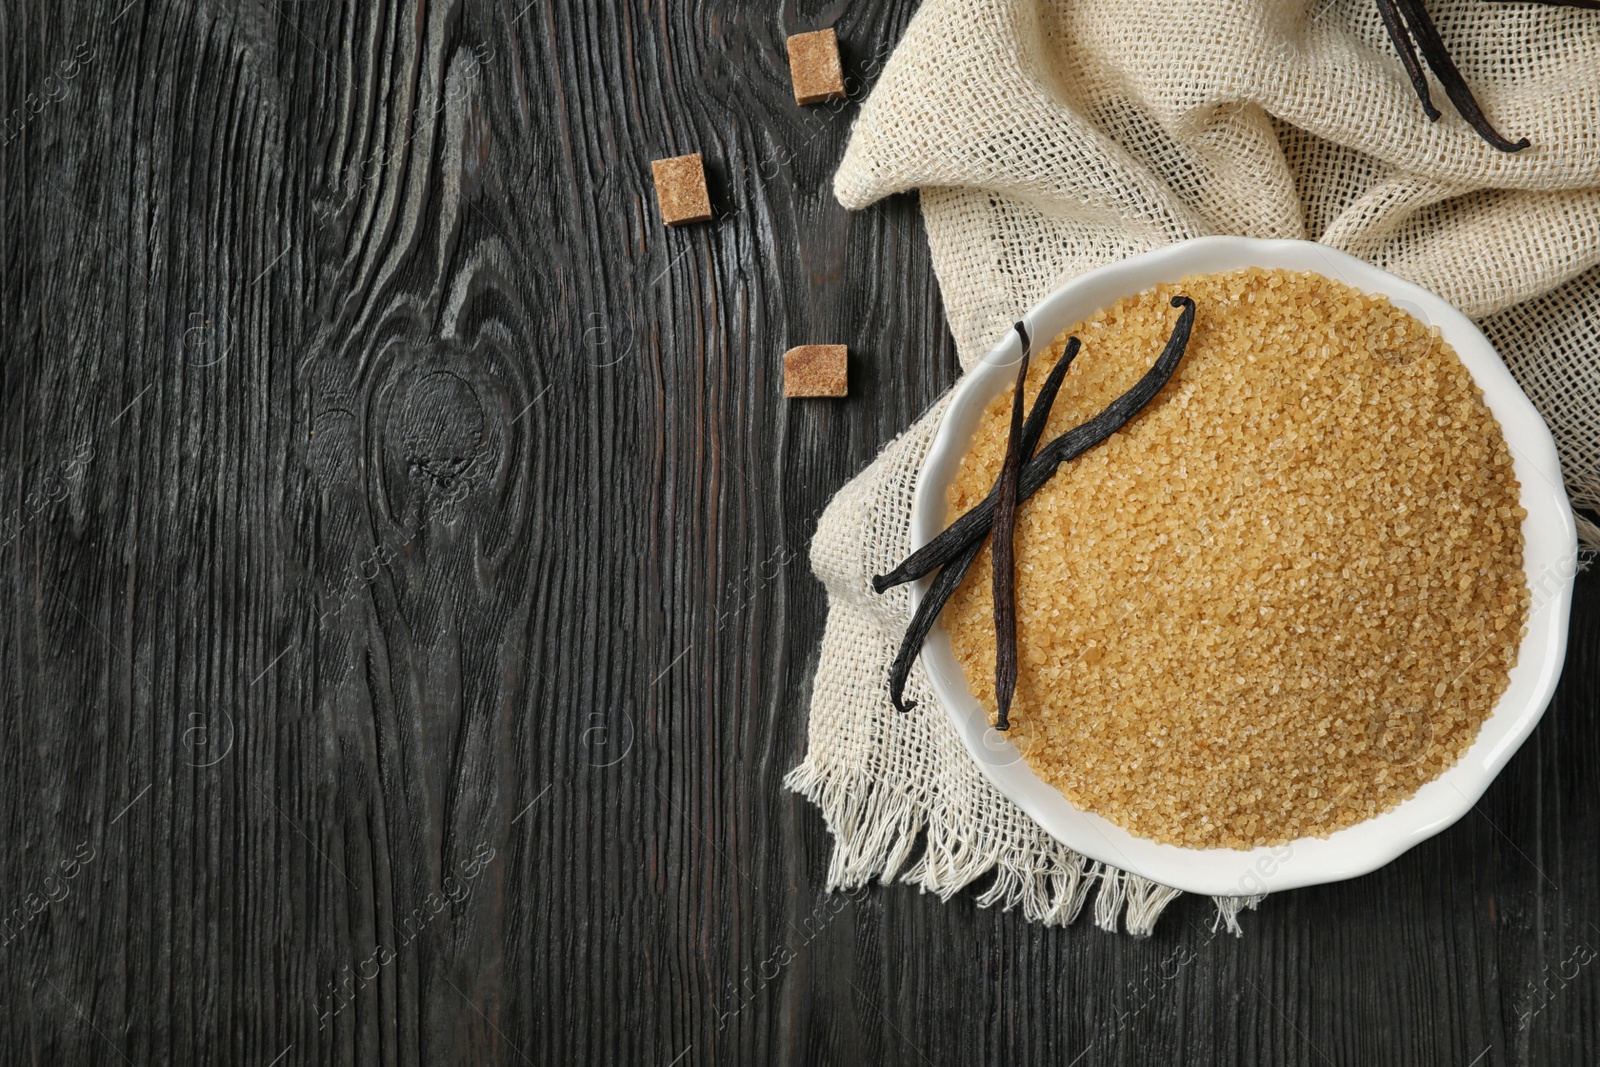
(681,190)
(814,67)
(816,370)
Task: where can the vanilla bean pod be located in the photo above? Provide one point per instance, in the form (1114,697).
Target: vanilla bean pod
(1408,56)
(1433,49)
(1004,571)
(940,590)
(974,524)
(945,582)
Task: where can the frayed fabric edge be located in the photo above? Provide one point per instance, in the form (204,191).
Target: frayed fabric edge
(1588,539)
(875,831)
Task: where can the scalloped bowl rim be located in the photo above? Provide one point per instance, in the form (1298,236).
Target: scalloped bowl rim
(1549,563)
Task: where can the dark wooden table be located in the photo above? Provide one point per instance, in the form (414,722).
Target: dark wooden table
(406,619)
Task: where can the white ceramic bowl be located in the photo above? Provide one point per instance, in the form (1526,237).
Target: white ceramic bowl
(1549,560)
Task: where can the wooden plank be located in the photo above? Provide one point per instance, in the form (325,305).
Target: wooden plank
(406,618)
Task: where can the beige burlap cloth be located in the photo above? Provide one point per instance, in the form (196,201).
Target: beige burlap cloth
(1048,137)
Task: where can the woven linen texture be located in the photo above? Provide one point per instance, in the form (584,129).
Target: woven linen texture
(1048,137)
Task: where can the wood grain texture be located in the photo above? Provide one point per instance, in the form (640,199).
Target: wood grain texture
(406,621)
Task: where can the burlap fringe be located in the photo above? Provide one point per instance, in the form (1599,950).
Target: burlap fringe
(876,830)
(1588,539)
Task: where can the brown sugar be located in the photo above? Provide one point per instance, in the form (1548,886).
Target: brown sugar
(681,189)
(814,67)
(1283,597)
(816,370)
